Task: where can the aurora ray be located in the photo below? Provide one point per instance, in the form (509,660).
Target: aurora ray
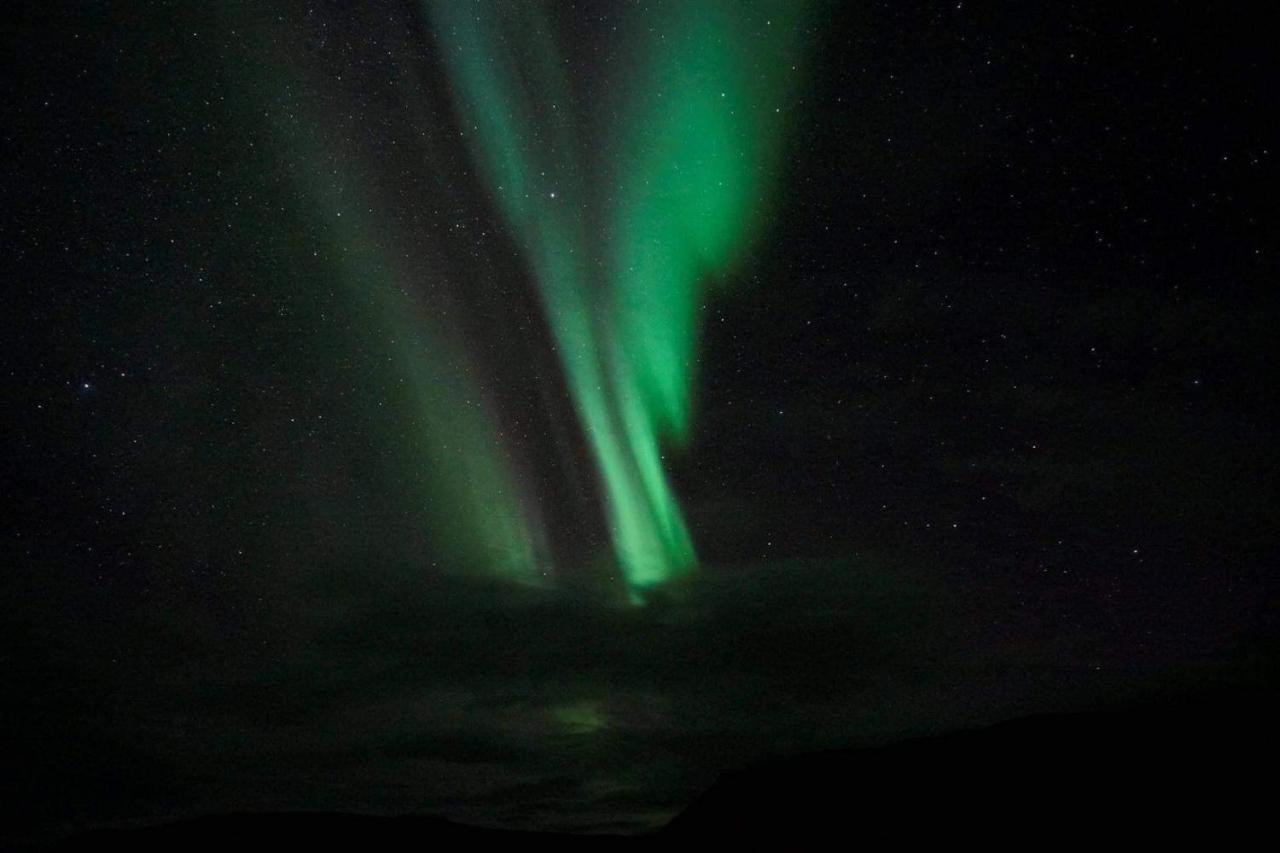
(461,479)
(627,202)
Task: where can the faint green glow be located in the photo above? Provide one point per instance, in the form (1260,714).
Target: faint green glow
(580,718)
(453,460)
(627,212)
(469,488)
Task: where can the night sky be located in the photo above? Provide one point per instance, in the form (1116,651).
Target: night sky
(523,412)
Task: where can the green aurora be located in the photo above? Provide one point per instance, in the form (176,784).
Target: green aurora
(450,463)
(627,202)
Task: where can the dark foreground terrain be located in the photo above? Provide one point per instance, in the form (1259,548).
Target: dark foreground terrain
(1200,770)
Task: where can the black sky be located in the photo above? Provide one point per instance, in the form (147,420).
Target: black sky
(980,430)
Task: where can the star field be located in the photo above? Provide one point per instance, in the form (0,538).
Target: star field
(521,413)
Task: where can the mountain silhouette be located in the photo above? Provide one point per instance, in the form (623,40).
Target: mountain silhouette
(1199,770)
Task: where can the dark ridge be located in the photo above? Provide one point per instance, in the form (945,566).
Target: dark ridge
(1201,770)
(1198,770)
(237,833)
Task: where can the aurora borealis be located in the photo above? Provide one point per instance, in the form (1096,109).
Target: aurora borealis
(626,202)
(524,412)
(629,205)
